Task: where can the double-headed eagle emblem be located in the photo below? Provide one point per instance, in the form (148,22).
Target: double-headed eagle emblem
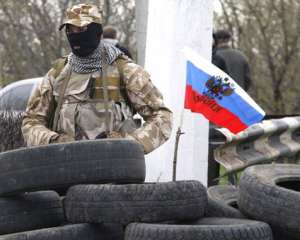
(218,88)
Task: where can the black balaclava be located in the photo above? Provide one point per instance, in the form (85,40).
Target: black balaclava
(88,40)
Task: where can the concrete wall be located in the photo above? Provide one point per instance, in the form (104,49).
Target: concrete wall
(173,24)
(141,14)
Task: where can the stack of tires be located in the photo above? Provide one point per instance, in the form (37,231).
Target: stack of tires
(106,198)
(269,193)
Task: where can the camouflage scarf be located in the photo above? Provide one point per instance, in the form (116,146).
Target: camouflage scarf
(105,53)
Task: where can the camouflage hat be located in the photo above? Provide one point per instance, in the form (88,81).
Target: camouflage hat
(81,15)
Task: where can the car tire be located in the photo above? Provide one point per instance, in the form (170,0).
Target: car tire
(71,232)
(63,165)
(30,211)
(151,202)
(222,202)
(271,193)
(206,228)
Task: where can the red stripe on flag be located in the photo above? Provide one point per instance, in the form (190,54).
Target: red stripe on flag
(212,111)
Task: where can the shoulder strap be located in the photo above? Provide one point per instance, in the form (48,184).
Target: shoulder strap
(60,100)
(58,66)
(105,94)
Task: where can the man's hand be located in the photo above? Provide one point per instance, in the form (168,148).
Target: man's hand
(62,138)
(114,134)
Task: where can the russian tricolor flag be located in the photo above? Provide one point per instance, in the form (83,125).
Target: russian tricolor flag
(214,94)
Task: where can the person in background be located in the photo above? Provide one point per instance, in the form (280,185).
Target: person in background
(110,36)
(94,92)
(217,60)
(231,61)
(235,64)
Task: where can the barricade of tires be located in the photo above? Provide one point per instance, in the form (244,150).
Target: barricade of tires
(107,198)
(271,193)
(223,202)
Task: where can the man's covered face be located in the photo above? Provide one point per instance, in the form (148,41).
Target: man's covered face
(84,40)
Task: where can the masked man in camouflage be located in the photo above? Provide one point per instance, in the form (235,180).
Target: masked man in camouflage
(94,92)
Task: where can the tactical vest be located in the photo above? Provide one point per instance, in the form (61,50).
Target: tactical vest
(92,104)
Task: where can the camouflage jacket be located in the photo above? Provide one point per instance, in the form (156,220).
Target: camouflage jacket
(84,118)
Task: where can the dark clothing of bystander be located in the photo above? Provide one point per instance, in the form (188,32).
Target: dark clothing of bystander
(218,61)
(236,65)
(124,50)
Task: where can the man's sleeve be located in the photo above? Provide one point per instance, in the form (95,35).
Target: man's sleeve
(148,102)
(219,62)
(38,113)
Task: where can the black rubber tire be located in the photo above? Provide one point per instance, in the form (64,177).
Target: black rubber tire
(152,202)
(30,211)
(63,165)
(271,193)
(71,232)
(222,202)
(281,236)
(206,228)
